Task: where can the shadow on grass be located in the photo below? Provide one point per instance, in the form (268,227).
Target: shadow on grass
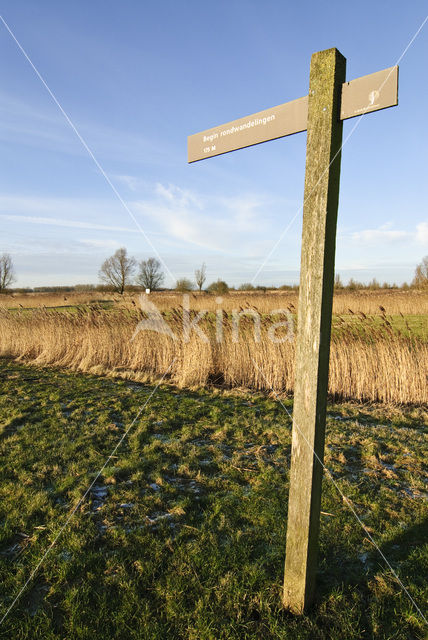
(370,575)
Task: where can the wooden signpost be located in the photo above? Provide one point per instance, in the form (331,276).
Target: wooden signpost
(369,93)
(330,101)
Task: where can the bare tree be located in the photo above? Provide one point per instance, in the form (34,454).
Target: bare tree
(201,276)
(150,276)
(420,281)
(7,273)
(338,284)
(117,270)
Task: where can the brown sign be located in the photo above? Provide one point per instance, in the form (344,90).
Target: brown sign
(276,122)
(370,93)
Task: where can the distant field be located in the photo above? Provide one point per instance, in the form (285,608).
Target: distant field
(411,302)
(182,536)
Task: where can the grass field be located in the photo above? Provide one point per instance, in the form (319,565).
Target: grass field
(394,301)
(183,534)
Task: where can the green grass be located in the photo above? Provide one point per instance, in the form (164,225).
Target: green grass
(183,535)
(106,305)
(410,326)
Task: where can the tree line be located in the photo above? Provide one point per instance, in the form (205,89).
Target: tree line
(120,272)
(117,271)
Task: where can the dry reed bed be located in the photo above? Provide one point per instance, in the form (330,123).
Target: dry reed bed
(368,362)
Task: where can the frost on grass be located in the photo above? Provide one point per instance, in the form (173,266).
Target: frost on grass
(188,519)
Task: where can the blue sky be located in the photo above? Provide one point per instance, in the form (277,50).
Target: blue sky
(136,78)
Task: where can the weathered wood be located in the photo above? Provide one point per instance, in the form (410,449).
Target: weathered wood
(324,139)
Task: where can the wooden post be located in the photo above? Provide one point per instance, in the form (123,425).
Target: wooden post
(324,140)
(321,114)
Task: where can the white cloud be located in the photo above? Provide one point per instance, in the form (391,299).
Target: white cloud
(100,243)
(132,182)
(387,235)
(249,212)
(44,127)
(383,234)
(177,196)
(422,233)
(58,222)
(217,223)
